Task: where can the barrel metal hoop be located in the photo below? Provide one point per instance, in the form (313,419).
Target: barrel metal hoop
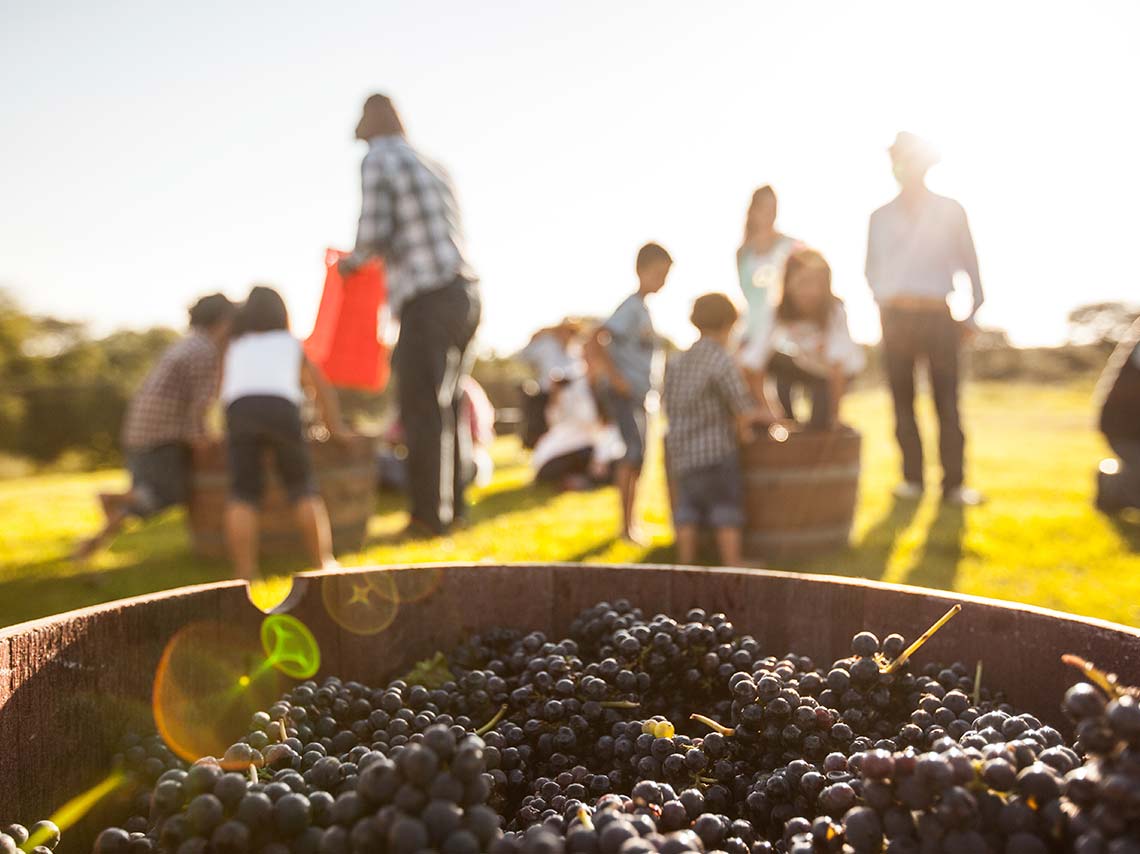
(834,533)
(210,480)
(776,477)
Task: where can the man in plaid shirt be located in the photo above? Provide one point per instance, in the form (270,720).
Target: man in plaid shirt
(706,402)
(166,419)
(409,217)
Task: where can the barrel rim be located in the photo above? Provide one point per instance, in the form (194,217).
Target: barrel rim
(949,597)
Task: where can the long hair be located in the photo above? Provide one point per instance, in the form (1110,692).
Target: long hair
(263,311)
(804,261)
(762,194)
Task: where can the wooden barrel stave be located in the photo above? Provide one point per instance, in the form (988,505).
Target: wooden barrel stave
(344,472)
(800,494)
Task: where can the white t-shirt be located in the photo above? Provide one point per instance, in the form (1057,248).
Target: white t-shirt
(263,364)
(574,424)
(815,349)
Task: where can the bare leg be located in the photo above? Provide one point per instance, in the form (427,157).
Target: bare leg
(627,477)
(686,544)
(313,519)
(728,544)
(116,517)
(241,537)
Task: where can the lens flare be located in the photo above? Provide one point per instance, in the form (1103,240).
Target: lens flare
(354,602)
(290,647)
(405,585)
(74,810)
(273,594)
(210,681)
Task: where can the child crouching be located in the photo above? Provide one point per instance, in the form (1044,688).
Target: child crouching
(266,379)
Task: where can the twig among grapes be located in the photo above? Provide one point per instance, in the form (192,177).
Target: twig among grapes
(1107,682)
(491,724)
(923,638)
(713,725)
(978,683)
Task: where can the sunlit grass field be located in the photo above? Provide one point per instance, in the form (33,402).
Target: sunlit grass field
(1032,449)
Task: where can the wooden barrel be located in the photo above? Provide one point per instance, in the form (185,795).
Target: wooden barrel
(799,493)
(346,477)
(70,684)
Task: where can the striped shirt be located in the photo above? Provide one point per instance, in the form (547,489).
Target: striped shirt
(409,216)
(704,393)
(171,404)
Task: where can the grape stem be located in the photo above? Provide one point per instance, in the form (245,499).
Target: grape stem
(978,683)
(727,732)
(1107,682)
(491,724)
(281,734)
(923,638)
(619,704)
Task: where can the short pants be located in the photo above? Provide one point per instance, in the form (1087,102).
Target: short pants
(712,496)
(630,417)
(159,478)
(260,423)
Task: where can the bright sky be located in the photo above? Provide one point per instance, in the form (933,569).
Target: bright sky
(152,151)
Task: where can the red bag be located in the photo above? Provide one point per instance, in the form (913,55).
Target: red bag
(344,342)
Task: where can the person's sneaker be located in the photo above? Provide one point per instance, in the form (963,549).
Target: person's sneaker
(908,490)
(963,496)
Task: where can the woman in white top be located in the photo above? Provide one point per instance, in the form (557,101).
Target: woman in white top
(810,346)
(264,383)
(760,263)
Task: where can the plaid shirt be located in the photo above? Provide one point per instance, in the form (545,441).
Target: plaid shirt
(703,393)
(172,402)
(409,216)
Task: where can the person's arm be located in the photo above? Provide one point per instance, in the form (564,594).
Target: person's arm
(374,230)
(327,403)
(732,387)
(968,258)
(597,352)
(871,267)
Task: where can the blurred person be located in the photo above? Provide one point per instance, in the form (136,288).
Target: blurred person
(1118,393)
(811,345)
(760,262)
(579,450)
(166,420)
(266,379)
(915,245)
(410,218)
(708,405)
(554,354)
(622,356)
(477,420)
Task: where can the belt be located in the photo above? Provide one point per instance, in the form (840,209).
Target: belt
(912,303)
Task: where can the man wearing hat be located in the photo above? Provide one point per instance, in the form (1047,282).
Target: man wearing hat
(916,243)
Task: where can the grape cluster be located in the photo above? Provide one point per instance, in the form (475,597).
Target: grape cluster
(650,734)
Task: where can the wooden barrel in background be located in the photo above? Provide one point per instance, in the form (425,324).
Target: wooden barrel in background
(346,477)
(800,493)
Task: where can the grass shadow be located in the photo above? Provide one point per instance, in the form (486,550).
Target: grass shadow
(938,565)
(1127,527)
(873,554)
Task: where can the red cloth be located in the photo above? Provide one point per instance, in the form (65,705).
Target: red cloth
(344,343)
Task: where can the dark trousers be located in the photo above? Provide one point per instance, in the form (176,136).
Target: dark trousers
(432,356)
(788,376)
(1123,488)
(934,337)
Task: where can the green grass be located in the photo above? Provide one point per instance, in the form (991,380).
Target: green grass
(1031,449)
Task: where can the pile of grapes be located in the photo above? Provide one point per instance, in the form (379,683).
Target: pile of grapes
(637,735)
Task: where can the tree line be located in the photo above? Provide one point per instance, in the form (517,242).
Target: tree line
(65,391)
